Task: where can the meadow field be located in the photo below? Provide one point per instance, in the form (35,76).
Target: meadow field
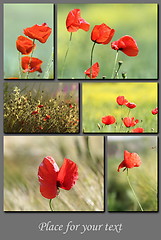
(22,157)
(18,17)
(122,18)
(41,108)
(144,179)
(99,100)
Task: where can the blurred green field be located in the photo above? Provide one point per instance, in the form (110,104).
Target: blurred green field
(22,157)
(99,100)
(16,18)
(144,179)
(136,20)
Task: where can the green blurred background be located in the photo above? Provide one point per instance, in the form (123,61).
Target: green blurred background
(99,100)
(22,157)
(144,179)
(136,20)
(18,17)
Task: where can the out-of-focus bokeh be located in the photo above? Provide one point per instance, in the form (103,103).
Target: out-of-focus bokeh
(22,157)
(136,20)
(99,100)
(17,17)
(144,179)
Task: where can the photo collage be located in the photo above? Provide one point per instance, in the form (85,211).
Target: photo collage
(80,107)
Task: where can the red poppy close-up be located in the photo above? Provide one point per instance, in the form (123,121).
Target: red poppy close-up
(102,34)
(130,160)
(94,72)
(154,111)
(127,45)
(31,64)
(51,178)
(121,100)
(107,120)
(130,105)
(130,122)
(138,130)
(38,32)
(24,45)
(74,22)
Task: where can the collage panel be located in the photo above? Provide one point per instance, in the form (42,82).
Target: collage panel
(28,41)
(54,173)
(107,41)
(120,107)
(132,174)
(32,107)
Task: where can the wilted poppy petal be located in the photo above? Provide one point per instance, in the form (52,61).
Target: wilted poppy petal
(94,72)
(39,32)
(67,175)
(47,175)
(74,22)
(24,45)
(102,34)
(127,45)
(31,64)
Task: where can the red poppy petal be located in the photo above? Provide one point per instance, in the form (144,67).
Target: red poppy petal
(122,164)
(94,72)
(47,175)
(67,175)
(131,159)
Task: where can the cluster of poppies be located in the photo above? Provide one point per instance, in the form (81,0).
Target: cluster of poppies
(128,121)
(101,34)
(26,46)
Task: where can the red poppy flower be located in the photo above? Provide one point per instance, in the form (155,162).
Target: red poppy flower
(121,100)
(107,120)
(130,105)
(71,106)
(154,111)
(51,178)
(47,117)
(31,64)
(138,130)
(24,45)
(130,122)
(39,32)
(40,106)
(94,72)
(130,160)
(34,112)
(102,34)
(127,45)
(74,22)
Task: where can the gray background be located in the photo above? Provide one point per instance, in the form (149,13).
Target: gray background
(25,225)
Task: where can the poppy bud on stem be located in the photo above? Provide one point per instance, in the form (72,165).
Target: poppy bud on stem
(114,73)
(119,65)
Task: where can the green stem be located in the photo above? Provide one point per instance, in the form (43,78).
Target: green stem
(70,39)
(19,60)
(91,60)
(134,192)
(30,58)
(50,205)
(117,71)
(113,74)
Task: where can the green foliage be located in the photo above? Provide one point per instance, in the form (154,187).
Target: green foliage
(23,155)
(22,114)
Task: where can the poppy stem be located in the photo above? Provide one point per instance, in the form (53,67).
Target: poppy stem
(70,39)
(30,58)
(50,205)
(50,63)
(114,73)
(91,60)
(134,192)
(19,60)
(117,71)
